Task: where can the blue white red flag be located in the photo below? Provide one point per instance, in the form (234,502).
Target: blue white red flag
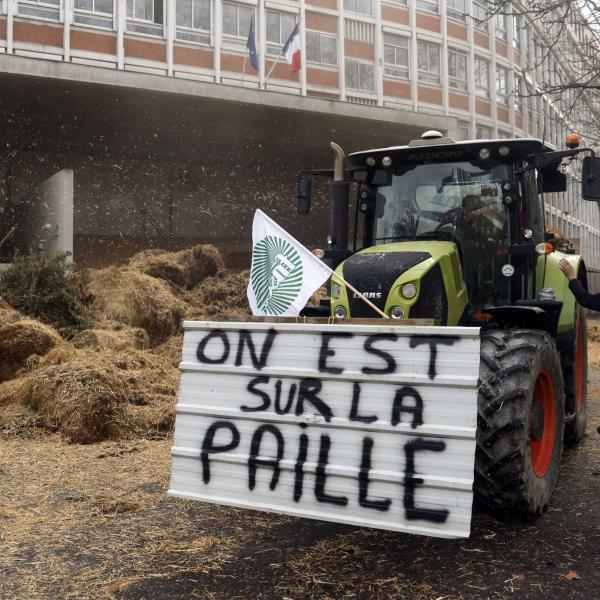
(292,49)
(251,45)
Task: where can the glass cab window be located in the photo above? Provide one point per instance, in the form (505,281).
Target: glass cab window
(459,202)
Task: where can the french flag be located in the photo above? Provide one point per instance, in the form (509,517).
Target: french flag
(292,49)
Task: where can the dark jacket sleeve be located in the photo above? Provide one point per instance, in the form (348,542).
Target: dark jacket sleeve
(584,298)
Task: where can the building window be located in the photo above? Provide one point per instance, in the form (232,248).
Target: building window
(504,135)
(48,9)
(463,130)
(97,13)
(236,25)
(364,7)
(457,70)
(518,93)
(432,6)
(501,26)
(401,2)
(395,56)
(480,15)
(516,32)
(428,60)
(279,28)
(483,133)
(360,75)
(482,77)
(502,85)
(456,9)
(321,48)
(193,21)
(145,16)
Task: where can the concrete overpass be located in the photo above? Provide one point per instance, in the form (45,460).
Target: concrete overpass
(163,161)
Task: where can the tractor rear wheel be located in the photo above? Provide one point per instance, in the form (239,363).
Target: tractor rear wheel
(573,347)
(520,420)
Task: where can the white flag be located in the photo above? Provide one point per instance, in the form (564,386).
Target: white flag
(284,273)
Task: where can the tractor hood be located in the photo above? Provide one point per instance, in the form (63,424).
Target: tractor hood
(381,272)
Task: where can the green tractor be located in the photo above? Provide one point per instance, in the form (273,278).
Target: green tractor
(454,232)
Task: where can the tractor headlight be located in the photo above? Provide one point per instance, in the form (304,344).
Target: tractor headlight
(409,290)
(397,312)
(339,312)
(484,153)
(335,290)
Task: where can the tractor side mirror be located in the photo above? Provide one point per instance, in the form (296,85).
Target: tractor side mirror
(304,189)
(552,180)
(590,178)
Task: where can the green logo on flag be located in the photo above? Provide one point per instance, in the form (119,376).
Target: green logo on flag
(276,275)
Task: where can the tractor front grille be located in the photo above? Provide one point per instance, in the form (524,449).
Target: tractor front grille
(373,274)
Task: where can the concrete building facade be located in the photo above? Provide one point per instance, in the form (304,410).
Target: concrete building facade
(168,83)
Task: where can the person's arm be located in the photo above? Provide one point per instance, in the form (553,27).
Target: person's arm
(584,298)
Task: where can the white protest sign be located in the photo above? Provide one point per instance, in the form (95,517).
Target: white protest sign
(370,425)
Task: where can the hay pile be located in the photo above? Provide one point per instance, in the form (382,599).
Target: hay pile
(89,396)
(136,299)
(186,268)
(19,340)
(223,294)
(107,339)
(119,378)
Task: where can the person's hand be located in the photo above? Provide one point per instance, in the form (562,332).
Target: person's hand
(567,269)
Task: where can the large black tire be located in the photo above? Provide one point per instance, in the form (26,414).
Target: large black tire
(573,351)
(520,421)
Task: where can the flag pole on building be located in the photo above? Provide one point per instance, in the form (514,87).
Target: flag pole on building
(292,52)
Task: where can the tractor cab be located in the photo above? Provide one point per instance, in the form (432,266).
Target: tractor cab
(477,195)
(444,230)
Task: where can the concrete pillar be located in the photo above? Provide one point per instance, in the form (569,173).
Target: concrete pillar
(52,215)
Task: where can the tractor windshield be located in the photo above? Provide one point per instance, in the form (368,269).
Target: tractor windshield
(458,201)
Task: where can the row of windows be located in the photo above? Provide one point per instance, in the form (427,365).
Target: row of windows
(147,16)
(193,24)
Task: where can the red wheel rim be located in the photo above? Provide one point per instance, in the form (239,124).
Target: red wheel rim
(543,405)
(579,367)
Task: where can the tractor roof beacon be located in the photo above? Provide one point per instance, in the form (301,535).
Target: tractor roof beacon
(454,232)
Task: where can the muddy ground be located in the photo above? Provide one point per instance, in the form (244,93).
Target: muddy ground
(93,521)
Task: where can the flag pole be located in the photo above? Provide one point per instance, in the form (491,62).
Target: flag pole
(361,296)
(244,69)
(272,67)
(350,287)
(277,59)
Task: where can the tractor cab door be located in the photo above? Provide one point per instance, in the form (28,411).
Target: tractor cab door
(532,220)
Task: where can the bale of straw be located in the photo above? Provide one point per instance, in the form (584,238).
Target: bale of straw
(136,299)
(21,339)
(102,339)
(185,268)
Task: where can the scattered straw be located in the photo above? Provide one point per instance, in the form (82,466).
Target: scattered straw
(138,300)
(21,339)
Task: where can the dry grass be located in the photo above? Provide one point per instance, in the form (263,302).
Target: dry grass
(224,293)
(86,521)
(90,396)
(19,340)
(106,339)
(137,300)
(186,268)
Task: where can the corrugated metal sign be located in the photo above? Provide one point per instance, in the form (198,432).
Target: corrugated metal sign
(361,424)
